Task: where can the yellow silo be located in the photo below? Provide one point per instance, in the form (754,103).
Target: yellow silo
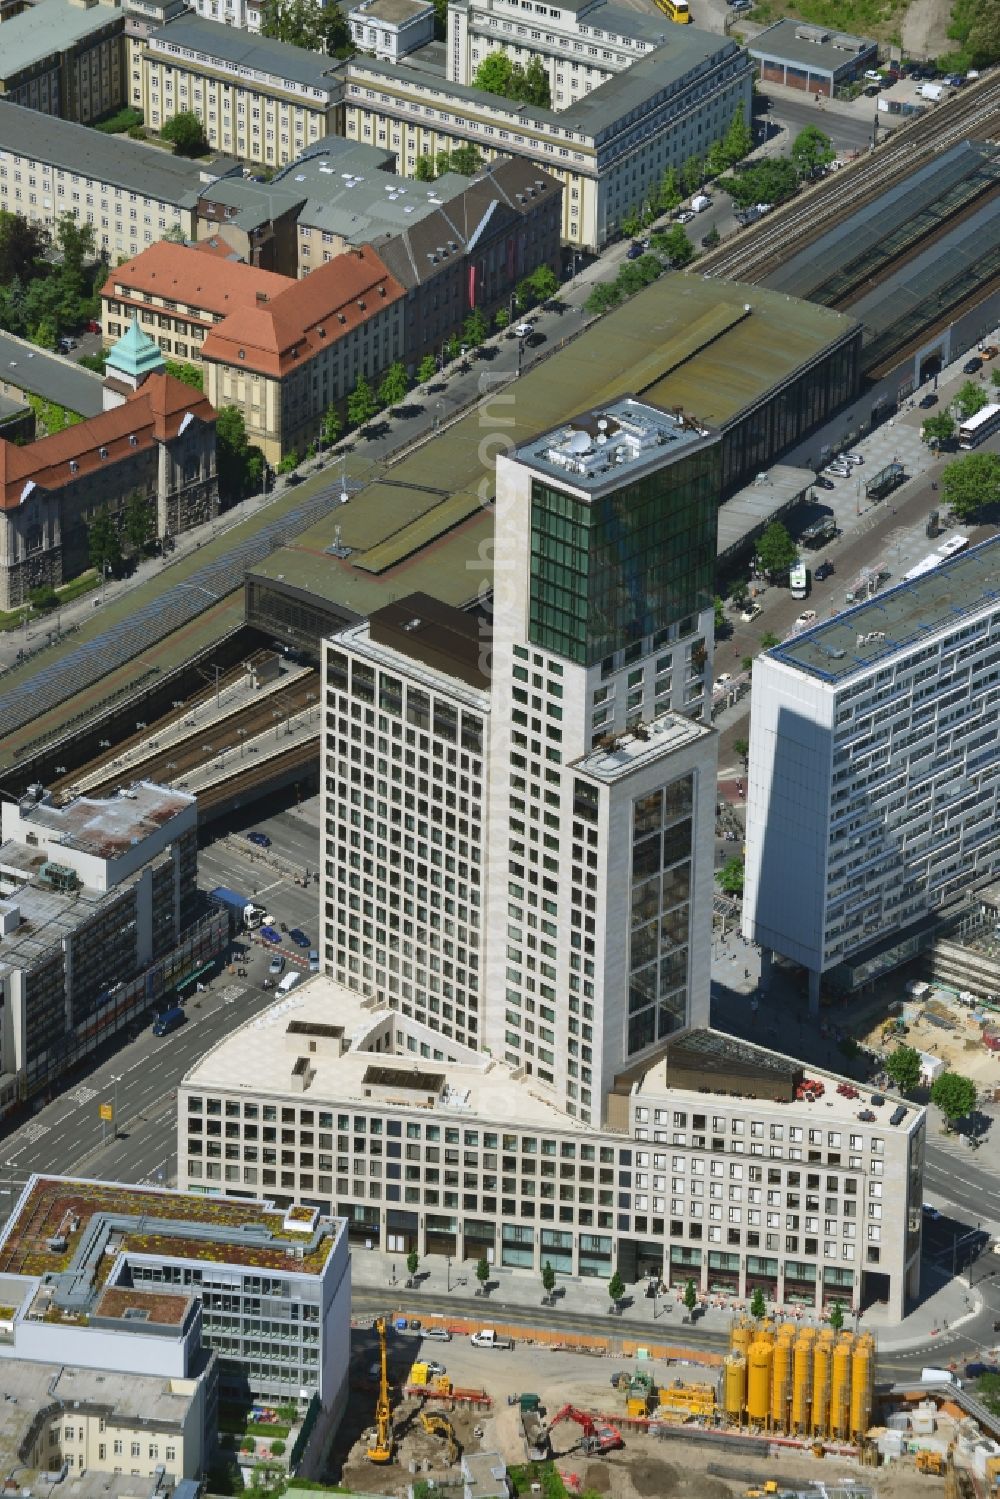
(802,1378)
(862,1375)
(781,1377)
(741,1336)
(759,1381)
(821,1383)
(840,1385)
(734,1386)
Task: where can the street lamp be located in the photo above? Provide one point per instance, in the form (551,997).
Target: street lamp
(116,1079)
(447,1265)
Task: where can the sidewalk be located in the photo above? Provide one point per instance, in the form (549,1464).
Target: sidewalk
(452,1289)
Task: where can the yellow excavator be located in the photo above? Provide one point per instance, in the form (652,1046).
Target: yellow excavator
(381,1450)
(438,1425)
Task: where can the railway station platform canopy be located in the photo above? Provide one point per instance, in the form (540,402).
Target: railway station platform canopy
(717,350)
(909,257)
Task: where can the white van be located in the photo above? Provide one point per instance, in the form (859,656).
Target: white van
(288,982)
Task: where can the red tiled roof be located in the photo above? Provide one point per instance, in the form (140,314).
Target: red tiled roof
(278,335)
(153,413)
(188,275)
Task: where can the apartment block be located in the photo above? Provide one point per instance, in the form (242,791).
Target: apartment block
(147,1281)
(259,100)
(405,751)
(389,29)
(155,439)
(132,194)
(631,95)
(602,770)
(99,1425)
(66,58)
(98,920)
(712,1165)
(874,774)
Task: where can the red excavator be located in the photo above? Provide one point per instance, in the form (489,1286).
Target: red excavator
(597,1436)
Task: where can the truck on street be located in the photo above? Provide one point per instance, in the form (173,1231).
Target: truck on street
(490,1338)
(243,911)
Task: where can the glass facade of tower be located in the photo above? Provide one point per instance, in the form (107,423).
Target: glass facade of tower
(612,570)
(661,913)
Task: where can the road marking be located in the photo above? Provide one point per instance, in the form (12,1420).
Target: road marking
(83,1094)
(233,992)
(34,1131)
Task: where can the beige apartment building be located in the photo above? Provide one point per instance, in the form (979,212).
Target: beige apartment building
(131,193)
(259,100)
(65,57)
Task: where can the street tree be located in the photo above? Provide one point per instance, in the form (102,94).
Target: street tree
(719,609)
(770,180)
(616,1289)
(954,1095)
(412,1261)
(730,876)
(938,428)
(738,139)
(776,551)
(482,1273)
(904,1068)
(427,369)
(475,329)
(395,384)
(739,591)
(690,1297)
(331,426)
(670,193)
(836,1318)
(185,134)
(716,160)
(693,174)
(466,159)
(971,483)
(361,403)
(811,151)
(336,33)
(674,245)
(970,398)
(137,521)
(231,453)
(103,543)
(548,1280)
(545,282)
(758,1305)
(741,747)
(21,245)
(769,639)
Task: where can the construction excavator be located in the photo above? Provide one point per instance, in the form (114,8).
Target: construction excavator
(380,1451)
(437,1425)
(598,1436)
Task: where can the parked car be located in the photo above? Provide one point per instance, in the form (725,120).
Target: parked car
(805,619)
(838,471)
(260,839)
(522,330)
(438,1334)
(270,934)
(93,326)
(313,960)
(276,964)
(853,457)
(929,400)
(931,1213)
(685,216)
(971,366)
(434,1368)
(822,482)
(299,937)
(634,251)
(750,613)
(825,570)
(989,351)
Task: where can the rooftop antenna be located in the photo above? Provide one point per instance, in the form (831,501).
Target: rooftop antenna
(344,496)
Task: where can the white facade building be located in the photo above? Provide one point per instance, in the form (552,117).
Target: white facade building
(389,29)
(711,1167)
(601,794)
(269,1292)
(405,754)
(875,773)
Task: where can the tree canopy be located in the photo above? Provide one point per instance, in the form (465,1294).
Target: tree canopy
(185,134)
(938,428)
(970,398)
(232,454)
(954,1095)
(103,542)
(361,403)
(21,244)
(776,551)
(499,74)
(395,384)
(769,181)
(730,876)
(811,151)
(674,244)
(971,483)
(904,1068)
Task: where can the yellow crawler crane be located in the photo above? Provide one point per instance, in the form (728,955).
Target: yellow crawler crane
(437,1425)
(381,1451)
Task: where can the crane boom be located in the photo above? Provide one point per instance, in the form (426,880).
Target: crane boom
(381,1451)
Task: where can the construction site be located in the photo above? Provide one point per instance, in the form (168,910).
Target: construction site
(789,1411)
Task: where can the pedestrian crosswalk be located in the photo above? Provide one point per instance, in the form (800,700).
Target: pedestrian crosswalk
(233,992)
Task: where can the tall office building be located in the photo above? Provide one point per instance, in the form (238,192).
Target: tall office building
(874,774)
(405,748)
(601,795)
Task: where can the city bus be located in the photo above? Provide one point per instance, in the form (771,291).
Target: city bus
(976,430)
(676,10)
(798,580)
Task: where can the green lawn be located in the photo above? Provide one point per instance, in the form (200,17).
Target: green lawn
(876,18)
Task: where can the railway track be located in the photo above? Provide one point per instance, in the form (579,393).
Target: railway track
(171,764)
(759,250)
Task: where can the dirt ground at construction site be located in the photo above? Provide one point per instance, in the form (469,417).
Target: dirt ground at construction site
(953,1034)
(650,1466)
